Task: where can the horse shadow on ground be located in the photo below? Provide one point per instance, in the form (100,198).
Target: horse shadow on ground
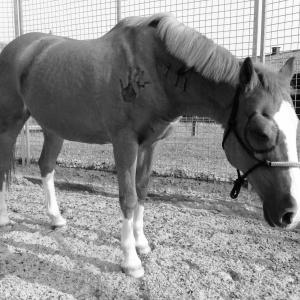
(27,223)
(30,267)
(40,264)
(243,208)
(76,186)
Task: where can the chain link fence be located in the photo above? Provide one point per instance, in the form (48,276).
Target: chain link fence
(265,30)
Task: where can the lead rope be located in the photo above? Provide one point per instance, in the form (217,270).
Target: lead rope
(238,183)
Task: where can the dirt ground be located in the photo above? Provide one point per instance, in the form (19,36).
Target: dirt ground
(204,245)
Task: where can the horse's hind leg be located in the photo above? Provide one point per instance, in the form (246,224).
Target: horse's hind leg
(6,157)
(51,148)
(143,172)
(8,137)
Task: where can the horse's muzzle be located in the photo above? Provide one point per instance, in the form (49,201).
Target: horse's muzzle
(285,217)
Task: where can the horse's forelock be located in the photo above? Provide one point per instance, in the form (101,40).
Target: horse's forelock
(270,80)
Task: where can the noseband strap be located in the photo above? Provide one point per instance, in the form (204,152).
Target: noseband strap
(231,127)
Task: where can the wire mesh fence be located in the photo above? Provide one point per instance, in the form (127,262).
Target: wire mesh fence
(7,28)
(194,149)
(76,19)
(282,39)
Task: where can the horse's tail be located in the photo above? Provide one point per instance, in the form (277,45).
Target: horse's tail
(13,112)
(7,159)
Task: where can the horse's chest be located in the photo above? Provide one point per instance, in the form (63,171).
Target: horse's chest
(155,132)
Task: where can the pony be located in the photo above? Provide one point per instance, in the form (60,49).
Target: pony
(129,88)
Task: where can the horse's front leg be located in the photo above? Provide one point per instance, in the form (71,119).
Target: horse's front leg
(125,152)
(143,172)
(51,148)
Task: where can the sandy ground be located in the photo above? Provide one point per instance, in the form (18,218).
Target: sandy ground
(205,245)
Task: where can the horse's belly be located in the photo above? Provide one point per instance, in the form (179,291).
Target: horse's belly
(71,125)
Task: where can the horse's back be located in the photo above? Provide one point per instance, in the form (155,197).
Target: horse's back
(87,90)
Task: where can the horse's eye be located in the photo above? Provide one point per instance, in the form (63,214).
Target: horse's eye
(261,133)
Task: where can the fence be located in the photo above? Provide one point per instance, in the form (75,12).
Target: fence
(265,30)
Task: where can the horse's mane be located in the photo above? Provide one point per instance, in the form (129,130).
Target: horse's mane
(192,48)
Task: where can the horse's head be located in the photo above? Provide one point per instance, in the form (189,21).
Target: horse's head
(260,140)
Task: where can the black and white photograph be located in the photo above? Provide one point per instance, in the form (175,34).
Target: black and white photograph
(149,149)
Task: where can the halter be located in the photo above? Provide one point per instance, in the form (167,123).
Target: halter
(231,127)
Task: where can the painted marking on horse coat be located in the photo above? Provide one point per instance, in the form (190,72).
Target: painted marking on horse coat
(287,122)
(51,202)
(128,92)
(135,83)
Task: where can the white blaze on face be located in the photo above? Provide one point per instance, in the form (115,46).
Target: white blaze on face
(287,122)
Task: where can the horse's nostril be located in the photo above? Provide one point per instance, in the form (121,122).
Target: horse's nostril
(287,218)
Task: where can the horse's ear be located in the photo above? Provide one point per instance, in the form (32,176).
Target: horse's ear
(288,69)
(248,77)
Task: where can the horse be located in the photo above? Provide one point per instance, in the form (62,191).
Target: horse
(129,87)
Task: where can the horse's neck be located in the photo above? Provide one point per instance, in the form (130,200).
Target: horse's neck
(215,99)
(195,95)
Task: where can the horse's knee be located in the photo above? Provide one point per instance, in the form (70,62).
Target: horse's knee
(142,192)
(128,204)
(142,187)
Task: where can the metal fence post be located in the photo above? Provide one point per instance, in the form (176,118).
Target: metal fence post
(18,20)
(259,30)
(119,8)
(263,29)
(256,31)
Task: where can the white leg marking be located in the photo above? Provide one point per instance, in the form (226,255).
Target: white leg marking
(141,241)
(287,121)
(4,220)
(131,263)
(50,201)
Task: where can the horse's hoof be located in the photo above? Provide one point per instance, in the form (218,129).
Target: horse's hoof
(134,272)
(4,220)
(58,221)
(143,249)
